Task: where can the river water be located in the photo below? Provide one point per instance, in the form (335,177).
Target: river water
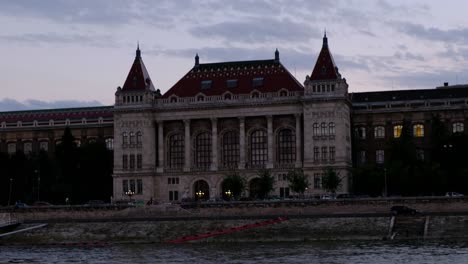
(350,252)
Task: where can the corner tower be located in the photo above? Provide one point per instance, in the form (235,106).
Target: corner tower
(327,138)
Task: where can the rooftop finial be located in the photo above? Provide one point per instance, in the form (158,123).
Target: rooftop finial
(276,55)
(325,39)
(197,60)
(138,52)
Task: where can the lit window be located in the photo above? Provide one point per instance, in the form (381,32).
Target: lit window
(397,131)
(379,132)
(458,127)
(206,84)
(418,130)
(379,156)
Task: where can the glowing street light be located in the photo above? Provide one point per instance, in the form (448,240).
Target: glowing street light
(228,193)
(200,194)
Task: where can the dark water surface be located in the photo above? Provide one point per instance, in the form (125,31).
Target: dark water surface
(443,252)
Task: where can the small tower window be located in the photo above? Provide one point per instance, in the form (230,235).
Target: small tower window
(257,82)
(206,84)
(231,83)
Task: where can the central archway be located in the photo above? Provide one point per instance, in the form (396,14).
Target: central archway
(201,190)
(255,188)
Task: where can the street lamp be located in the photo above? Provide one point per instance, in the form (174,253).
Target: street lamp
(9,193)
(228,193)
(200,194)
(129,193)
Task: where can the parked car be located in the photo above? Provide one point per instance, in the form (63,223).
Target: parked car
(21,205)
(95,202)
(453,194)
(403,210)
(327,197)
(41,203)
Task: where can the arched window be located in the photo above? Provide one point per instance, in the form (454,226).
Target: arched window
(138,138)
(458,127)
(12,148)
(379,132)
(124,139)
(323,129)
(360,132)
(286,146)
(316,131)
(331,129)
(176,151)
(230,151)
(132,138)
(258,148)
(418,130)
(227,97)
(173,99)
(202,155)
(255,95)
(397,131)
(27,148)
(110,143)
(283,93)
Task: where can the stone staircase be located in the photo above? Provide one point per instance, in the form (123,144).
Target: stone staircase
(404,227)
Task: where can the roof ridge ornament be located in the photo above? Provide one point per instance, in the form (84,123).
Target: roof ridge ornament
(197,60)
(325,39)
(138,51)
(277,55)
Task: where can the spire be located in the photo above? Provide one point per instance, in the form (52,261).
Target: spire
(138,52)
(325,67)
(276,55)
(325,39)
(197,60)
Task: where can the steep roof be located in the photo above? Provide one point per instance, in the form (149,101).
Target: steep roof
(138,78)
(236,77)
(325,67)
(57,114)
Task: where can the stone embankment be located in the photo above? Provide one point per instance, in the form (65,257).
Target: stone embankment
(308,220)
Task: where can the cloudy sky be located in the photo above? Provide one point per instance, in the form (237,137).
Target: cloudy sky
(63,53)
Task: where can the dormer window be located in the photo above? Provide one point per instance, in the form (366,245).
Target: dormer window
(227,97)
(173,100)
(231,83)
(283,93)
(200,98)
(255,95)
(257,82)
(206,84)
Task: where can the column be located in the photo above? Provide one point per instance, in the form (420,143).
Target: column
(161,152)
(270,142)
(298,141)
(214,144)
(241,143)
(188,158)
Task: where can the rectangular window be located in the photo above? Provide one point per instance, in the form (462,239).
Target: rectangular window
(316,154)
(362,157)
(173,195)
(125,162)
(257,82)
(397,131)
(231,83)
(139,186)
(139,161)
(132,161)
(317,181)
(206,84)
(324,154)
(284,192)
(420,154)
(379,156)
(332,153)
(132,185)
(125,186)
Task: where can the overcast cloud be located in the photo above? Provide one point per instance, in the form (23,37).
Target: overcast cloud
(59,52)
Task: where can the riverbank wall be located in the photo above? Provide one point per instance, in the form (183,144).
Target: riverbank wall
(307,221)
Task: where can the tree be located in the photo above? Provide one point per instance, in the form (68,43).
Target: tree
(331,180)
(266,182)
(298,181)
(234,183)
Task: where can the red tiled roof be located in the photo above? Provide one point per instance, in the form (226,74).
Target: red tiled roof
(57,114)
(138,78)
(275,77)
(325,67)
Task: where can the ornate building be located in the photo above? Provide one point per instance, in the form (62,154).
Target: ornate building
(243,116)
